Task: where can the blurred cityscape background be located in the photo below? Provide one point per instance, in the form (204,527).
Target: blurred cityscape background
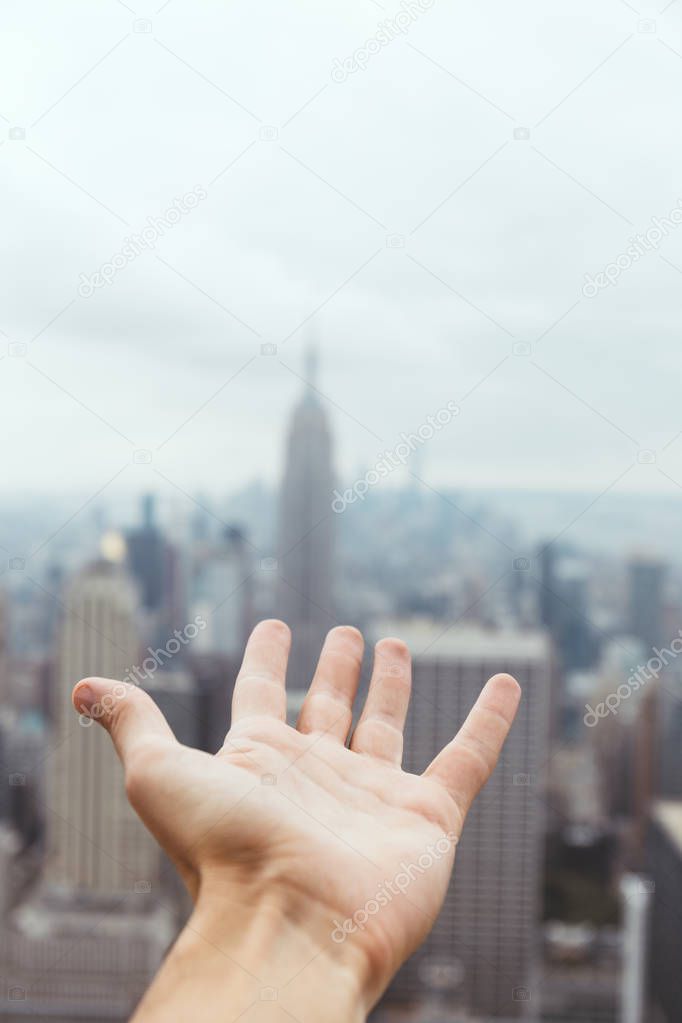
(567,898)
(365,312)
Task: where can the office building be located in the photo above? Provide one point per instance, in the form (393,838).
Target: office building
(85,942)
(646,600)
(96,843)
(482,952)
(221,593)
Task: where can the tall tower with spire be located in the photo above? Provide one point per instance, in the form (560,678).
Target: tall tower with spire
(311,366)
(306,529)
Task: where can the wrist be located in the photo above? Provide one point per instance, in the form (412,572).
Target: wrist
(262,953)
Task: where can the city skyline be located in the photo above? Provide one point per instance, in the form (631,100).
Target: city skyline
(347,314)
(486,613)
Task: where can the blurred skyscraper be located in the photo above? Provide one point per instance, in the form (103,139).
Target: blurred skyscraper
(146,554)
(156,568)
(85,944)
(305,558)
(665,869)
(482,952)
(221,594)
(564,605)
(547,598)
(96,842)
(635,893)
(647,579)
(214,678)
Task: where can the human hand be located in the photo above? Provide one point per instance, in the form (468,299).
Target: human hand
(302,855)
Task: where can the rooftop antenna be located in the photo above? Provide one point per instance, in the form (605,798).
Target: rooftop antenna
(311,365)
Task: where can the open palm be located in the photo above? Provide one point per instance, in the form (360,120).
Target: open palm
(340,828)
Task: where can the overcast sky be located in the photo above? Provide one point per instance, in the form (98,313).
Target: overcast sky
(393,215)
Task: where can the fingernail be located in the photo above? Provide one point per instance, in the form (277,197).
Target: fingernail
(85,699)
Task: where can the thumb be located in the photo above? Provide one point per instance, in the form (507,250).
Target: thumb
(129,715)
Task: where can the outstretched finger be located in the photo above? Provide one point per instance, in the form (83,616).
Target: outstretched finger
(260,687)
(328,705)
(379,732)
(467,762)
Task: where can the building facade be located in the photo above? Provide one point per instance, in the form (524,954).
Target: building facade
(96,843)
(481,954)
(85,942)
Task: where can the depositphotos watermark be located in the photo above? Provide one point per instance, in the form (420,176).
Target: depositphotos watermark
(639,246)
(391,460)
(139,674)
(388,30)
(388,890)
(135,244)
(645,673)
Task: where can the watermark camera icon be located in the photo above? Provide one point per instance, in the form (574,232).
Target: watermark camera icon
(521,564)
(395,241)
(268,348)
(16,994)
(521,994)
(268,779)
(17,780)
(17,349)
(268,564)
(646,27)
(142,887)
(142,456)
(522,348)
(142,26)
(646,457)
(268,994)
(524,780)
(17,564)
(268,133)
(521,134)
(16,133)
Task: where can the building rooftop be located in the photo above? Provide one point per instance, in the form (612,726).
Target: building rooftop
(430,640)
(668,814)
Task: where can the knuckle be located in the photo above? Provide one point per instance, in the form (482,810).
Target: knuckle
(480,754)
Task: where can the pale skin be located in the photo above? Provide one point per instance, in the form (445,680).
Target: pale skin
(287,835)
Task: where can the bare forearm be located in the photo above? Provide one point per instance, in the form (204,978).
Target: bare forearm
(254,963)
